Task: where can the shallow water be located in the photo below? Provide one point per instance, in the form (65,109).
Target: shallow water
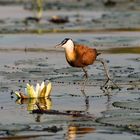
(99,18)
(104,114)
(30,58)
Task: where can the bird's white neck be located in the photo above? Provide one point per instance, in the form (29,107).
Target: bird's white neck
(69,46)
(69,50)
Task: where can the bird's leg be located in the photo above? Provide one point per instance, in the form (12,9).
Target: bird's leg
(86,78)
(86,100)
(106,72)
(86,74)
(84,94)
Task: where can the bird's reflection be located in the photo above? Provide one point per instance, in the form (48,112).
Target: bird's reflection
(108,102)
(86,100)
(75,130)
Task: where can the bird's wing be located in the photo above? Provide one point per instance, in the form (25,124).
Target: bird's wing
(80,49)
(89,56)
(85,55)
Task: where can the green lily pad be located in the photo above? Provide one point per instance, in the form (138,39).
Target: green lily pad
(119,112)
(68,70)
(121,121)
(78,80)
(134,129)
(36,61)
(13,127)
(39,71)
(134,105)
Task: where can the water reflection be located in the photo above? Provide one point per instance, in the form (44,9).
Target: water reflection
(74,131)
(108,102)
(79,124)
(86,101)
(32,104)
(35,104)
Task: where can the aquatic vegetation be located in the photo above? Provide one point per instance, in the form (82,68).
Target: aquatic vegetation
(121,121)
(133,105)
(40,91)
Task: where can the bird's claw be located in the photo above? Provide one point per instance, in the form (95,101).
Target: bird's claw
(87,100)
(107,86)
(85,76)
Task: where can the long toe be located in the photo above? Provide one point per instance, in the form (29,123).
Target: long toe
(106,85)
(85,76)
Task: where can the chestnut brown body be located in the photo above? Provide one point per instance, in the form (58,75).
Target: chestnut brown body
(78,55)
(82,56)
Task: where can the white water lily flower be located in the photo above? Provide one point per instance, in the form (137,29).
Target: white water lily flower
(37,89)
(40,91)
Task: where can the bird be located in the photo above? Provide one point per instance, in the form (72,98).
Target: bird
(81,56)
(78,55)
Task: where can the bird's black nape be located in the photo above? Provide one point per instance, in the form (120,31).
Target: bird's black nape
(65,40)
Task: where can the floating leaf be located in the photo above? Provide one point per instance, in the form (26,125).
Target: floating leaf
(14,127)
(121,120)
(134,105)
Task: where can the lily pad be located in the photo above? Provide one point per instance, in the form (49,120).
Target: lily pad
(39,71)
(134,129)
(35,61)
(121,121)
(134,75)
(17,75)
(92,80)
(68,70)
(135,59)
(119,112)
(14,127)
(134,105)
(123,70)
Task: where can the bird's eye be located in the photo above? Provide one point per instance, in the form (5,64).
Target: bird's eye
(64,41)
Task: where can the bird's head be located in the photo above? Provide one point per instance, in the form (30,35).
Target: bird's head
(67,43)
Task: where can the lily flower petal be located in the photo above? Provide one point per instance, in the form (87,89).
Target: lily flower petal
(42,86)
(40,91)
(31,92)
(48,91)
(17,94)
(43,91)
(37,89)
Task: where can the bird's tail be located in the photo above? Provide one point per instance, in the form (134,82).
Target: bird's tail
(98,54)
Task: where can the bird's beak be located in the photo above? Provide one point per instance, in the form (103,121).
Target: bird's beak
(58,45)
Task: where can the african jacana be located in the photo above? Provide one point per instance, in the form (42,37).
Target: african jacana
(81,56)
